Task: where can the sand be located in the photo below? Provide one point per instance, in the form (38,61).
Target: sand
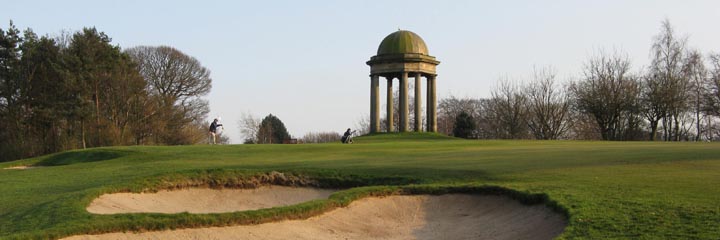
(20,167)
(452,216)
(204,200)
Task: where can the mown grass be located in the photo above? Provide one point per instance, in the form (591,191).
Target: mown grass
(608,190)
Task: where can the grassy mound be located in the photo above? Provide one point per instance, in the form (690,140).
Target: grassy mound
(646,190)
(403,137)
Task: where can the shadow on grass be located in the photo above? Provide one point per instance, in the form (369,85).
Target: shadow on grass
(81,156)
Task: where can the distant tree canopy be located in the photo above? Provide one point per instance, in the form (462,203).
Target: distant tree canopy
(272,130)
(78,90)
(464,126)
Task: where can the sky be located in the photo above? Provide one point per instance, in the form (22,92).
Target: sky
(304,61)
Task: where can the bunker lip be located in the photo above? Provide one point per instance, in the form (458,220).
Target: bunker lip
(205,200)
(449,216)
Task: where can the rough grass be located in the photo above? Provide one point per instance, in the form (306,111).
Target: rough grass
(608,190)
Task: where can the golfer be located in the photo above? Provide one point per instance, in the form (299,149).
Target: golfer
(213,130)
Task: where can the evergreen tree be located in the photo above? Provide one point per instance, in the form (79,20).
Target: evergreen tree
(272,130)
(464,126)
(10,41)
(46,96)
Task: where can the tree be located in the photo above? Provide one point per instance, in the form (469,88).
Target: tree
(272,130)
(713,95)
(608,92)
(449,108)
(665,88)
(108,91)
(584,126)
(177,83)
(464,126)
(694,70)
(89,57)
(506,109)
(10,107)
(548,108)
(46,96)
(362,126)
(249,127)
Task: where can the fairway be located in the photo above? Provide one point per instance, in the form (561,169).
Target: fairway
(616,190)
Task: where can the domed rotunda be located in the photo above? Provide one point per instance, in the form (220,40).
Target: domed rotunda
(403,54)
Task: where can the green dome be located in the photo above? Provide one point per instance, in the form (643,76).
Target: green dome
(402,42)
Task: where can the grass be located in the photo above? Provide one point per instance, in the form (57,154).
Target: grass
(608,190)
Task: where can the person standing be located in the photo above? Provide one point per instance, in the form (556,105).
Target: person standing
(213,130)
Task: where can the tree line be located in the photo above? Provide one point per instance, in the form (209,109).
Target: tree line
(675,98)
(77,90)
(271,130)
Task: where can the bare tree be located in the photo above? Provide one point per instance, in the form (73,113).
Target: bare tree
(665,87)
(713,95)
(507,109)
(584,127)
(175,76)
(548,107)
(362,126)
(249,126)
(695,71)
(653,102)
(178,82)
(608,92)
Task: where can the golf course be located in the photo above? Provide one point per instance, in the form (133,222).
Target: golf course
(599,189)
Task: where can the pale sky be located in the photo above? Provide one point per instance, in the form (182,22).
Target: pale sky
(304,61)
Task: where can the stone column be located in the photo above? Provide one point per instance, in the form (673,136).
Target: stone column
(418,103)
(404,102)
(431,104)
(434,103)
(389,104)
(374,103)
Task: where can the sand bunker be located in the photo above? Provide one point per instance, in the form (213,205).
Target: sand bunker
(20,167)
(202,200)
(452,216)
